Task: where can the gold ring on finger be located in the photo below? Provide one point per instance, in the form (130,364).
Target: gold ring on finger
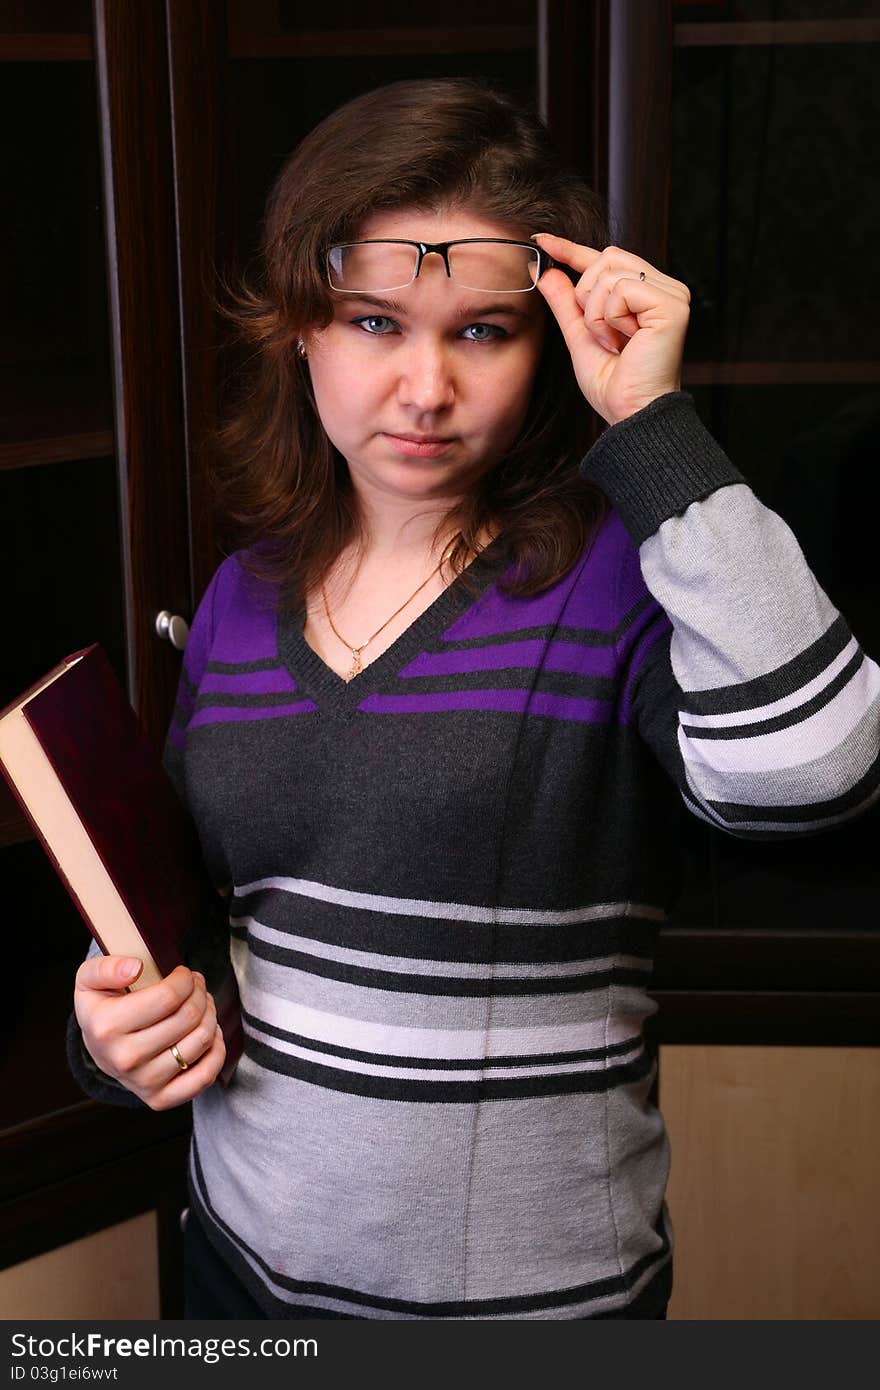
(178,1059)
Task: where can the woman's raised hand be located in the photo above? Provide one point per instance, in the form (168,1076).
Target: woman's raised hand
(130,1035)
(625,335)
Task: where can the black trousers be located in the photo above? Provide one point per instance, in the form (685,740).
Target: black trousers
(212,1290)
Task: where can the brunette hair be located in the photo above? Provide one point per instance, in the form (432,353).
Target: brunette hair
(281,489)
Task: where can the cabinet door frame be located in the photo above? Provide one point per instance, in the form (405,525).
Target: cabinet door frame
(134,111)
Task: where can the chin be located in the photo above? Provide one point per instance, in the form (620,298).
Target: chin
(423,470)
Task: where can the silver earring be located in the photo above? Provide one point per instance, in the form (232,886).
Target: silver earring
(301,347)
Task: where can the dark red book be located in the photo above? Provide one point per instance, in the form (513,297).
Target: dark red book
(123,844)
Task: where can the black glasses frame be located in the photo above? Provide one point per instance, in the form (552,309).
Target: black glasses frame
(424,248)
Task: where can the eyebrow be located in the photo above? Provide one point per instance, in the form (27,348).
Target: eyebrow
(395,307)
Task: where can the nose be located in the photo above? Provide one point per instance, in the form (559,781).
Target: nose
(426,383)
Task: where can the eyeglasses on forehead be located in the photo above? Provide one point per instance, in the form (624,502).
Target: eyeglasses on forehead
(536,262)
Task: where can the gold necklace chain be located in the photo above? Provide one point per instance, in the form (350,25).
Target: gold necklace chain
(356,651)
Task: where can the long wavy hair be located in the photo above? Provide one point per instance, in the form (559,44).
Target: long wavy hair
(282,491)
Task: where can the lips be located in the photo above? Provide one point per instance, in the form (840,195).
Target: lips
(426,446)
(424,438)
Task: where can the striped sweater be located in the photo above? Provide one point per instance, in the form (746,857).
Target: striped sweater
(448,876)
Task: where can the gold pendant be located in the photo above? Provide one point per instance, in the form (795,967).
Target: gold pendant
(355,670)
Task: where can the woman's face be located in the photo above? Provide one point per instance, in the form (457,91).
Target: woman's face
(431,359)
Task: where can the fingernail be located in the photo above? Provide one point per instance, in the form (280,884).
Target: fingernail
(130,969)
(532,235)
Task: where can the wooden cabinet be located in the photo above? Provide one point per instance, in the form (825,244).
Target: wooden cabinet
(735,144)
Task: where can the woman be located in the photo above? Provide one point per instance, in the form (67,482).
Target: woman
(433,713)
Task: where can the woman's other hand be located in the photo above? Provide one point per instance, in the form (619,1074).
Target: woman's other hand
(130,1033)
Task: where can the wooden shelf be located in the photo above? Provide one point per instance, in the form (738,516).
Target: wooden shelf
(343,43)
(57,448)
(340,43)
(46,48)
(54,414)
(748,33)
(779,373)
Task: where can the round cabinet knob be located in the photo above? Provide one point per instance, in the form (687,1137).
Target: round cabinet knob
(173,628)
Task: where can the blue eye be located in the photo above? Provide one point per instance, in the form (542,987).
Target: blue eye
(373,318)
(494,330)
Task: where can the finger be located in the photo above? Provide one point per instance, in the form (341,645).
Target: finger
(571,252)
(109,1024)
(146,1053)
(143,1008)
(611,260)
(560,295)
(626,266)
(108,972)
(593,263)
(156,1038)
(190,1082)
(192,1045)
(647,304)
(597,316)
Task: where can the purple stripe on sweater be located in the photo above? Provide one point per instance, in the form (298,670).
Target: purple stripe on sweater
(247,632)
(271,682)
(225,715)
(583,598)
(560,656)
(569,707)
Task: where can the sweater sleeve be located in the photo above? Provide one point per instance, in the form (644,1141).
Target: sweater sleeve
(97,1084)
(742,676)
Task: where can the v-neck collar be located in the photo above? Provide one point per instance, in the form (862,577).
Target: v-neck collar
(334,695)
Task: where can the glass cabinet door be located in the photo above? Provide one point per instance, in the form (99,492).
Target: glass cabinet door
(291,64)
(772,225)
(61,560)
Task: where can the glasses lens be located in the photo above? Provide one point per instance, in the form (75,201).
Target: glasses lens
(488,265)
(368,266)
(495,267)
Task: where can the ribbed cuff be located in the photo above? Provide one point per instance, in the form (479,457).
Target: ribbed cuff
(654,464)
